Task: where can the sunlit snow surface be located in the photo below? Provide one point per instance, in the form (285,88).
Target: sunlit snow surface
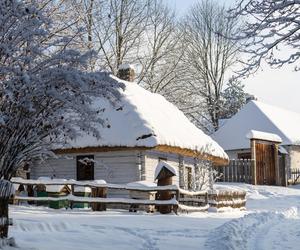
(270,222)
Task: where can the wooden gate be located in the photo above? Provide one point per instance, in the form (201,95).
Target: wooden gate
(265,164)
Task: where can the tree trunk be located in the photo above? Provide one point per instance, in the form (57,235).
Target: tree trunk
(4,218)
(6,191)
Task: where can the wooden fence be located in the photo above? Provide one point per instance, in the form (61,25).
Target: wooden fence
(185,200)
(221,199)
(101,188)
(240,170)
(193,201)
(294,176)
(216,200)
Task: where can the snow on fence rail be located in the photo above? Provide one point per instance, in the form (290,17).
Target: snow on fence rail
(74,198)
(99,193)
(186,201)
(220,199)
(94,184)
(217,199)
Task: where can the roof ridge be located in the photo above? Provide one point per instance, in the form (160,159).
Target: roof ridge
(277,107)
(270,120)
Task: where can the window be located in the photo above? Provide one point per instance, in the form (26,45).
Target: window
(85,167)
(244,156)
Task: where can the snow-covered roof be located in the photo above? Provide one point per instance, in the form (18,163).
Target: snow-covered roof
(259,116)
(254,134)
(145,119)
(162,165)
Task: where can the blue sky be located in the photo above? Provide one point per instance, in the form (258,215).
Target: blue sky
(279,87)
(181,5)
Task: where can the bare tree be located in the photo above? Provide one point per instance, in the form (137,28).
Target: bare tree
(208,56)
(270,32)
(205,175)
(114,29)
(141,32)
(161,53)
(44,88)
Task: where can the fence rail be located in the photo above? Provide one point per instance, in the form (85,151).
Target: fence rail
(99,193)
(93,184)
(79,199)
(186,200)
(237,171)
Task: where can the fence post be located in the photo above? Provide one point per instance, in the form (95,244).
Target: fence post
(246,173)
(242,171)
(234,171)
(72,193)
(238,171)
(227,172)
(253,163)
(100,192)
(6,191)
(277,173)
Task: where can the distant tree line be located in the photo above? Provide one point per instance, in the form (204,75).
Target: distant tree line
(187,59)
(190,59)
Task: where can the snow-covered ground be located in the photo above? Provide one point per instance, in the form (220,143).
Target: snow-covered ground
(271,221)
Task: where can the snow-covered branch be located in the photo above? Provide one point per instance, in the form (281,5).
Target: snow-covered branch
(46,91)
(270,32)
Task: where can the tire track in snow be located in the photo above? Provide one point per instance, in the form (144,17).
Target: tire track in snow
(246,232)
(31,226)
(150,238)
(148,241)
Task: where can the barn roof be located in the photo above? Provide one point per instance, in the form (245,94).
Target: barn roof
(145,119)
(262,117)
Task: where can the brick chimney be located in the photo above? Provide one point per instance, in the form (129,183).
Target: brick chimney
(126,72)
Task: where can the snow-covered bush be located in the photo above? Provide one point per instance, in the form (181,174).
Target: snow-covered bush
(205,175)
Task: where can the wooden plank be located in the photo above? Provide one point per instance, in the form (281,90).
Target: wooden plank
(227,173)
(230,172)
(253,156)
(236,171)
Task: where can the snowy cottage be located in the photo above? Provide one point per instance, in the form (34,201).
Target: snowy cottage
(275,124)
(144,128)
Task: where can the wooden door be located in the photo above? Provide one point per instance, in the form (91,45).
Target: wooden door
(265,164)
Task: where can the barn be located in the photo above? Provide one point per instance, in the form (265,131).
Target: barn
(141,130)
(273,124)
